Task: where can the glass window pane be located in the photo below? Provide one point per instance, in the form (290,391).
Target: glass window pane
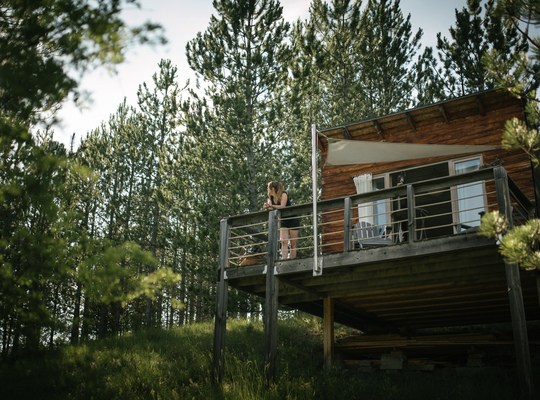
(380,216)
(470,196)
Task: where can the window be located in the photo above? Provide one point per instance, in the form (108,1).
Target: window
(470,202)
(380,210)
(446,212)
(372,213)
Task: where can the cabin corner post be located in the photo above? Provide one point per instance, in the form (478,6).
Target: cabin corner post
(220,322)
(271,300)
(536,183)
(347,224)
(515,294)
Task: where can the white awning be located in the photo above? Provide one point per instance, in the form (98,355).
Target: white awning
(346,152)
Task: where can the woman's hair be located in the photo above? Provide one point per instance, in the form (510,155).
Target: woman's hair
(278,190)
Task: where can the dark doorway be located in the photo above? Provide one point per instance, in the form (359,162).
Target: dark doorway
(436,208)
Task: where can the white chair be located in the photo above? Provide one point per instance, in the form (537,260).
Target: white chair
(366,234)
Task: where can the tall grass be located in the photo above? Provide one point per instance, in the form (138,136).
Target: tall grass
(176,364)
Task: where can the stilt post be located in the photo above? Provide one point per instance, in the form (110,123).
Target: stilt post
(515,294)
(271,303)
(328,331)
(220,322)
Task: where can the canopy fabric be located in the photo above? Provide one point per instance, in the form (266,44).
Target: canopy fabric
(346,152)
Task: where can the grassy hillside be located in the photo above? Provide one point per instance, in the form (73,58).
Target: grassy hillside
(176,365)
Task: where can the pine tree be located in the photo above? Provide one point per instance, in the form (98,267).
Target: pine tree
(474,35)
(330,47)
(241,58)
(159,108)
(388,49)
(520,74)
(42,43)
(33,245)
(361,59)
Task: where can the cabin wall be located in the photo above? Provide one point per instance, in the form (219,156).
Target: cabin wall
(337,181)
(453,124)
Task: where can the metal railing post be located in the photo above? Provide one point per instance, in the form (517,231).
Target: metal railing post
(411,214)
(347,223)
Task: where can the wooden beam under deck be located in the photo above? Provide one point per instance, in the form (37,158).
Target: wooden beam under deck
(426,283)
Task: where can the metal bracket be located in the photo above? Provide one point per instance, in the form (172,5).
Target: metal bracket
(319,268)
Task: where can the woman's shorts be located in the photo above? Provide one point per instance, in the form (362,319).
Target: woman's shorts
(291,223)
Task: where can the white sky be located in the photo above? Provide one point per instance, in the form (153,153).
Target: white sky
(182,20)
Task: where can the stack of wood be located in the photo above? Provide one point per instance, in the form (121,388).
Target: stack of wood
(396,352)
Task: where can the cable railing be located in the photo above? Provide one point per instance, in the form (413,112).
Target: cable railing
(392,216)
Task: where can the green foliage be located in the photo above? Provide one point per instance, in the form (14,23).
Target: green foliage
(520,75)
(239,138)
(45,235)
(494,224)
(175,364)
(43,40)
(116,274)
(388,48)
(518,136)
(478,30)
(353,63)
(142,202)
(32,247)
(518,245)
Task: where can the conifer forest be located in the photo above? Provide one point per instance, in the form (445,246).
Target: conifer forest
(120,232)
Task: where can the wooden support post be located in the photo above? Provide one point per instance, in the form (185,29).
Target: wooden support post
(538,286)
(328,331)
(515,294)
(271,303)
(347,224)
(220,323)
(536,182)
(411,214)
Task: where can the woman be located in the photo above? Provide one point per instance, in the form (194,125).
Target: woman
(288,231)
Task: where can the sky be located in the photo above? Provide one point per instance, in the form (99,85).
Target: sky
(182,20)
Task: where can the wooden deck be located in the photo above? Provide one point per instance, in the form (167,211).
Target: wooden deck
(417,282)
(442,282)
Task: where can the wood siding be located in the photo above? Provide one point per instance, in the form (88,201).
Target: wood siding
(466,124)
(474,120)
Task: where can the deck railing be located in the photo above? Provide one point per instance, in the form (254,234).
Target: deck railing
(408,213)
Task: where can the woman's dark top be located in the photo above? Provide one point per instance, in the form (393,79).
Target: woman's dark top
(289,222)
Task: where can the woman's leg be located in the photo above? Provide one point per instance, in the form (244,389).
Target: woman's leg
(293,236)
(284,238)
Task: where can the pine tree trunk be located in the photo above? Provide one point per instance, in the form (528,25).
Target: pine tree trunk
(85,329)
(76,323)
(54,311)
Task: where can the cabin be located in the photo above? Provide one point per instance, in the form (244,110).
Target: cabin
(392,245)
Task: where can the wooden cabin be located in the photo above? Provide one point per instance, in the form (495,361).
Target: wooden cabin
(396,248)
(472,120)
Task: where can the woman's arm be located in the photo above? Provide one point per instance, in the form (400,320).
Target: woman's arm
(282,203)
